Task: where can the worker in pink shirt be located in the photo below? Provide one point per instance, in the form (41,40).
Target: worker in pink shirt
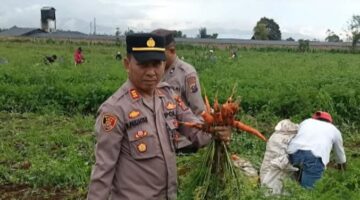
(78,56)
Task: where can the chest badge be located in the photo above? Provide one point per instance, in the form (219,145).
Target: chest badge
(141,134)
(142,147)
(175,123)
(170,106)
(172,70)
(134,114)
(180,102)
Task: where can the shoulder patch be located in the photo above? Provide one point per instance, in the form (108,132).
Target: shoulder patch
(191,82)
(109,121)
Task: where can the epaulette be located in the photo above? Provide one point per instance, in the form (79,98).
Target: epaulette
(186,67)
(164,88)
(120,93)
(163,85)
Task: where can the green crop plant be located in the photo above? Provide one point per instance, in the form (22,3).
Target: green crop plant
(47,112)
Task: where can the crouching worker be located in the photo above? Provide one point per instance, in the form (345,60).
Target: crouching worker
(118,56)
(136,129)
(276,166)
(50,59)
(78,56)
(310,149)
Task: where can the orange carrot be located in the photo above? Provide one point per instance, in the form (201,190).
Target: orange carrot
(208,118)
(249,129)
(216,105)
(207,105)
(192,125)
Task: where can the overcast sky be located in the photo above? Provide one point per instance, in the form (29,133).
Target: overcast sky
(228,18)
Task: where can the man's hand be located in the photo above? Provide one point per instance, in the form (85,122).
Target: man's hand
(223,133)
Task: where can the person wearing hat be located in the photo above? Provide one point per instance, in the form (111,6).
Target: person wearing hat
(136,129)
(275,166)
(118,56)
(310,149)
(184,79)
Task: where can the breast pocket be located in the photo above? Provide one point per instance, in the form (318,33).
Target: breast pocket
(142,144)
(172,125)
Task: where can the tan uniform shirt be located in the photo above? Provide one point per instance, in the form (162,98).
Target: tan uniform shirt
(135,153)
(182,77)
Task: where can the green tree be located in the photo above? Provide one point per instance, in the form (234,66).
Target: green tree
(332,37)
(354,28)
(273,30)
(129,32)
(290,39)
(304,45)
(214,35)
(203,34)
(117,36)
(260,32)
(179,34)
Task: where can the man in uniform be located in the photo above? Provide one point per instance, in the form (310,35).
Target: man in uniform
(183,78)
(135,129)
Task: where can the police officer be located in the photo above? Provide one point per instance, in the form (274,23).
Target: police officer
(135,129)
(183,78)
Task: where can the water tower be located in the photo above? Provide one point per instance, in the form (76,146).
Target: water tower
(48,19)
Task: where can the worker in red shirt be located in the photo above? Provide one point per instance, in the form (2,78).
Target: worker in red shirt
(78,56)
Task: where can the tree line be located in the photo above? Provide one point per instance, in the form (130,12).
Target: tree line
(268,29)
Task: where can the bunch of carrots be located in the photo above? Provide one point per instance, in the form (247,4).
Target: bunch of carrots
(223,115)
(217,174)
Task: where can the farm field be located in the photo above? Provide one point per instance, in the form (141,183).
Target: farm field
(47,112)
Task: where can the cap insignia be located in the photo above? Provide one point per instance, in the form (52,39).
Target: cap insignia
(150,42)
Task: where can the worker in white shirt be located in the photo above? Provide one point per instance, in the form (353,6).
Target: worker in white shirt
(310,149)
